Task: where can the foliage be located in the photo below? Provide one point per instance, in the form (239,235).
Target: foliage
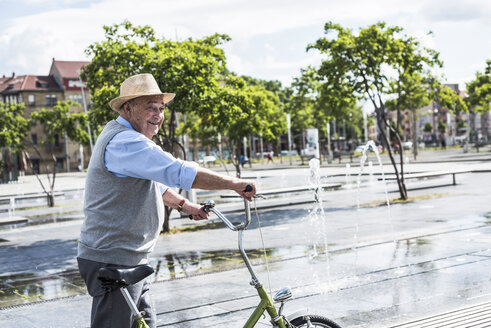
(479,90)
(365,64)
(59,119)
(189,68)
(238,110)
(460,124)
(413,92)
(442,127)
(273,86)
(428,127)
(14,128)
(444,96)
(313,104)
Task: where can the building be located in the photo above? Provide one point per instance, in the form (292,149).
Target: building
(44,91)
(434,113)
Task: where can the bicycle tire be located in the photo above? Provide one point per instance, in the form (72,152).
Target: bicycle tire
(315,320)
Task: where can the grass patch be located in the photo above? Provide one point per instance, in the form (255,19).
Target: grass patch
(194,228)
(51,214)
(404,201)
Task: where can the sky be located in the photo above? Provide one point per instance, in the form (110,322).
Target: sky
(269,37)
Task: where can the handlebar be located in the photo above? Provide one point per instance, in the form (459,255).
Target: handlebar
(209,206)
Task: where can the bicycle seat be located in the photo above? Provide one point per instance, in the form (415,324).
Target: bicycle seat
(113,277)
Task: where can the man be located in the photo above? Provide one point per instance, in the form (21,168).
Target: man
(125,192)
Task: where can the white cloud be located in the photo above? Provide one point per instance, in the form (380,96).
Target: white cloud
(28,43)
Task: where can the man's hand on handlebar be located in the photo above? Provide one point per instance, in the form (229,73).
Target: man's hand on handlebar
(246,189)
(195,211)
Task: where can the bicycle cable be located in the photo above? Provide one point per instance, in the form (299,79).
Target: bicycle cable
(264,248)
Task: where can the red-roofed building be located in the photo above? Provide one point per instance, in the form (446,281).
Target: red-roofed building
(39,91)
(67,74)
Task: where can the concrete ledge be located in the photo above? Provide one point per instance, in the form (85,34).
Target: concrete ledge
(12,220)
(287,190)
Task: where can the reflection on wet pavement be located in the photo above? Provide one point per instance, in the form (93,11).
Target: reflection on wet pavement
(30,287)
(362,265)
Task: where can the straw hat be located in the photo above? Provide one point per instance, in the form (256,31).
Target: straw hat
(138,86)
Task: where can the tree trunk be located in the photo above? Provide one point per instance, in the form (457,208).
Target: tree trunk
(195,149)
(414,133)
(165,225)
(400,178)
(51,199)
(237,162)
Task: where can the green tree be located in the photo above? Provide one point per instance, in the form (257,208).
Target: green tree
(14,129)
(479,95)
(442,127)
(364,64)
(238,110)
(479,89)
(428,128)
(58,121)
(460,124)
(301,104)
(314,104)
(413,91)
(189,68)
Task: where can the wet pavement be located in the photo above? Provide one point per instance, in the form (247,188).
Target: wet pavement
(371,266)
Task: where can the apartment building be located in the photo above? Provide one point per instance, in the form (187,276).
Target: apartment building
(44,91)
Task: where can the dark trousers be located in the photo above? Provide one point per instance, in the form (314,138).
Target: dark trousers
(109,309)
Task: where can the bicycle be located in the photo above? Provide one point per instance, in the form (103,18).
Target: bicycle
(121,278)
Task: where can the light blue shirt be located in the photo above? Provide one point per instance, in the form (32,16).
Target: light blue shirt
(131,154)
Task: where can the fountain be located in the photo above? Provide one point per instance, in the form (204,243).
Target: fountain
(371,145)
(12,207)
(348,176)
(317,219)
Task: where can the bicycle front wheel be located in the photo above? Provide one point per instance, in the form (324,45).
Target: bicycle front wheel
(314,320)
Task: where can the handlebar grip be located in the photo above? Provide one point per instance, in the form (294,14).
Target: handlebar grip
(248,188)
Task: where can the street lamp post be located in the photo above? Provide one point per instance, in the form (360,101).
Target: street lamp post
(365,126)
(84,102)
(261,145)
(288,125)
(328,128)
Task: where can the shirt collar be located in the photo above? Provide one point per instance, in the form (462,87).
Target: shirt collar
(124,122)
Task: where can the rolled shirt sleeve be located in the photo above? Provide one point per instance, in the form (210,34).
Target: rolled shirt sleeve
(130,153)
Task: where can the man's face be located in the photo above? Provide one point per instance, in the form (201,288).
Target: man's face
(146,114)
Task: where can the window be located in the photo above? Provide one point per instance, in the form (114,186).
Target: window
(60,162)
(57,140)
(34,138)
(76,98)
(51,100)
(31,100)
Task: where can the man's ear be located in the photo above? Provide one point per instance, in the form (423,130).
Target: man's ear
(126,107)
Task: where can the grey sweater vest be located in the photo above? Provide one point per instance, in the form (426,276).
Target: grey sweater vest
(123,216)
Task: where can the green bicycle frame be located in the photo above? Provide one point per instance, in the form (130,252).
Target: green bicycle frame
(265,305)
(140,323)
